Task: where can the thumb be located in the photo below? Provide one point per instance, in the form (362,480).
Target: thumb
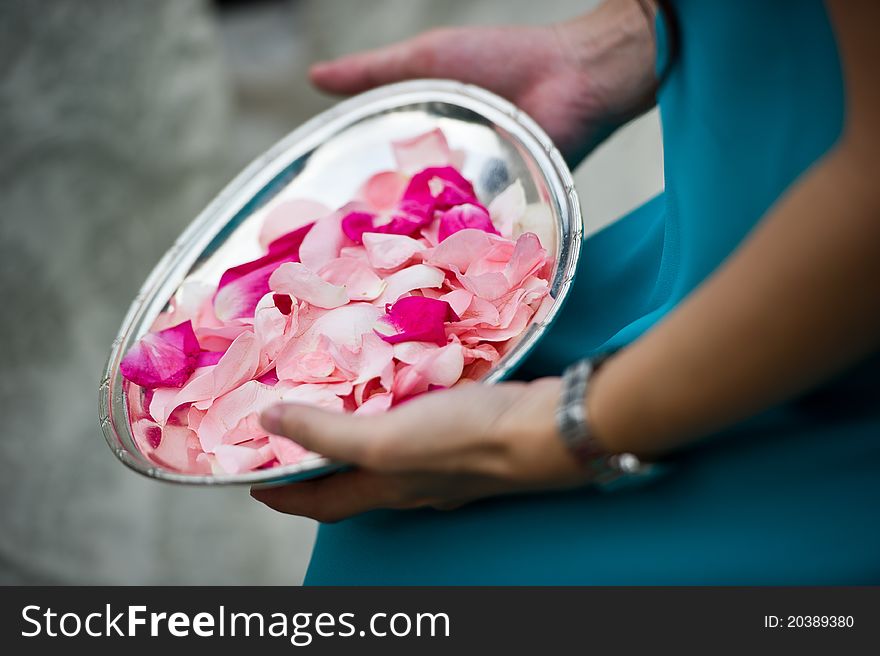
(413,58)
(338,436)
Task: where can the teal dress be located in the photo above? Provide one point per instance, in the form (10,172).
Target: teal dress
(754,96)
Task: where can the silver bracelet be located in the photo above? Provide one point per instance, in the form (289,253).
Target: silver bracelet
(575,428)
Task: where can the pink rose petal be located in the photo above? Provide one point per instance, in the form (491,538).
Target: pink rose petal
(192,302)
(272,329)
(459,300)
(421,151)
(365,363)
(462,248)
(507,208)
(166,358)
(238,365)
(302,283)
(324,241)
(287,451)
(356,276)
(418,276)
(239,458)
(384,190)
(390,251)
(176,449)
(344,326)
(442,366)
(288,216)
(376,404)
(528,257)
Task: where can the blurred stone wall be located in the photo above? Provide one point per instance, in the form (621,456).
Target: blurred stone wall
(120,119)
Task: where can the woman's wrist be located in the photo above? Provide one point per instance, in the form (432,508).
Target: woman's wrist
(615,47)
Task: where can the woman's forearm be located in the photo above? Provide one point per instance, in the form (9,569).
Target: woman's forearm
(798,302)
(615,48)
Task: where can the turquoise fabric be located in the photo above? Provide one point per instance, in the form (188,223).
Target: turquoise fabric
(753,98)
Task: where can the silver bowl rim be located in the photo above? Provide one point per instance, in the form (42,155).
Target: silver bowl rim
(263,168)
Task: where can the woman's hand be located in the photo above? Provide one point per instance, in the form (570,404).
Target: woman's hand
(442,449)
(577,79)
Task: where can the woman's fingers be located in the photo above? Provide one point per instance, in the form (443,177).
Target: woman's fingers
(338,436)
(425,434)
(406,60)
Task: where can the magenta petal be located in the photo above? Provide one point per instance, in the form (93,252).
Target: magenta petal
(242,287)
(409,217)
(240,297)
(419,319)
(268,378)
(163,359)
(355,224)
(464,216)
(208,358)
(442,186)
(283,249)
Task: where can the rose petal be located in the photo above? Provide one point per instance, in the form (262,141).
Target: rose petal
(288,216)
(226,411)
(272,328)
(419,319)
(166,358)
(421,151)
(384,190)
(299,281)
(376,404)
(488,286)
(176,449)
(528,257)
(462,248)
(439,187)
(459,300)
(287,451)
(507,208)
(406,280)
(390,251)
(247,429)
(442,366)
(365,363)
(357,278)
(343,326)
(407,219)
(190,303)
(538,219)
(237,459)
(242,287)
(237,365)
(355,224)
(208,358)
(464,216)
(323,241)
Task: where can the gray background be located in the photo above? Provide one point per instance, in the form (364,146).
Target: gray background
(119,120)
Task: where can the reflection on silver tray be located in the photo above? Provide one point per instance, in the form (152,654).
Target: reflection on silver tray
(327,159)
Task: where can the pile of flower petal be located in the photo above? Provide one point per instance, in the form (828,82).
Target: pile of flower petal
(414,286)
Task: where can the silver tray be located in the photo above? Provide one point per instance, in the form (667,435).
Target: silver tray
(327,159)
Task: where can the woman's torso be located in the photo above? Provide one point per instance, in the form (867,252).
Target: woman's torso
(754,96)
